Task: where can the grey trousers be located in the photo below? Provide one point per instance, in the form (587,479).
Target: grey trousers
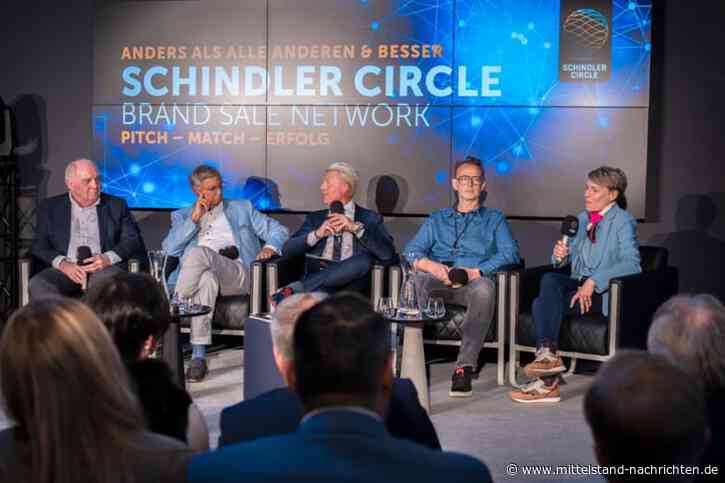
(478,296)
(52,281)
(204,275)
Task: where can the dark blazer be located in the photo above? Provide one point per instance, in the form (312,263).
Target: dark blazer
(335,445)
(279,412)
(117,229)
(376,241)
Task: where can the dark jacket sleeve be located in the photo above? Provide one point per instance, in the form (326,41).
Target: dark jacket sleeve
(376,238)
(407,419)
(43,248)
(297,244)
(128,240)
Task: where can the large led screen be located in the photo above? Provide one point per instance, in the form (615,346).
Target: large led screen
(273,91)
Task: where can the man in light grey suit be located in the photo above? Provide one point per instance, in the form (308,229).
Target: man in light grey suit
(217,241)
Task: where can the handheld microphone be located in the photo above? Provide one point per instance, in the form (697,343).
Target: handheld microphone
(458,276)
(337,207)
(569,227)
(83,252)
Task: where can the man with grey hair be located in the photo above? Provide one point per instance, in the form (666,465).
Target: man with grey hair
(82,223)
(689,331)
(645,413)
(341,242)
(217,241)
(279,411)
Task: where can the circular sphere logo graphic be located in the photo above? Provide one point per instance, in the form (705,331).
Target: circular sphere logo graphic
(588,26)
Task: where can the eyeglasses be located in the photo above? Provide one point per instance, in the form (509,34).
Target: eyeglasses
(476,180)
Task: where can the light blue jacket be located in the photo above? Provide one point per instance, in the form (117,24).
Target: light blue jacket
(615,253)
(248,227)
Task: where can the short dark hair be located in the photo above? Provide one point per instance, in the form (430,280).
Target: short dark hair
(473,161)
(642,410)
(132,306)
(341,346)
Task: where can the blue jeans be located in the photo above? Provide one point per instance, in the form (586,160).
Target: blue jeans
(552,305)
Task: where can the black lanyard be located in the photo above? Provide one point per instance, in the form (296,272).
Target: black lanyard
(463,231)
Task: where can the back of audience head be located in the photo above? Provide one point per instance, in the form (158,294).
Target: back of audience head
(66,388)
(284,319)
(689,331)
(134,309)
(643,410)
(341,355)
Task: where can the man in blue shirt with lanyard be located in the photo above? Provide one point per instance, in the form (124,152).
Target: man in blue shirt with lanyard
(471,237)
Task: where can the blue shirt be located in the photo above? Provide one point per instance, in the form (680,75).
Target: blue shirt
(477,239)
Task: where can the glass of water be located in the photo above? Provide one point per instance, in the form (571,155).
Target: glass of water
(436,307)
(385,307)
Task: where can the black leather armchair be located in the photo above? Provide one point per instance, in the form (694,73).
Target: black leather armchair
(27,268)
(448,330)
(231,311)
(633,299)
(283,270)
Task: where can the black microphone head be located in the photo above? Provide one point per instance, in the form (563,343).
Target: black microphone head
(337,207)
(83,252)
(570,226)
(458,276)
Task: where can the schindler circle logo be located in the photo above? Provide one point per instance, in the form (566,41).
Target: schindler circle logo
(589,27)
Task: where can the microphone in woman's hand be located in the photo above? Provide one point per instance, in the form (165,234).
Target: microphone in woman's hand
(569,227)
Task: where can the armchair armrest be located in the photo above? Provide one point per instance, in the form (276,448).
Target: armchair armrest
(634,300)
(25,265)
(283,270)
(257,298)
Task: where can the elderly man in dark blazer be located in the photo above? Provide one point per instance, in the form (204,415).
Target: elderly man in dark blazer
(84,217)
(340,245)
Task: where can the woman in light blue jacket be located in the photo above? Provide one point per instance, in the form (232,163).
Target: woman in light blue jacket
(605,247)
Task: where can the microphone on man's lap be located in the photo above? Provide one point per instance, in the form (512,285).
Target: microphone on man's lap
(458,276)
(569,227)
(82,253)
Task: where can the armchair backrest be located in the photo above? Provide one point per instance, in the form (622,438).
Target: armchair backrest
(653,258)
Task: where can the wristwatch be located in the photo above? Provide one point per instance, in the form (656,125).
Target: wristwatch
(358,226)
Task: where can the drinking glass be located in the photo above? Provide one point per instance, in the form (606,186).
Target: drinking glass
(436,307)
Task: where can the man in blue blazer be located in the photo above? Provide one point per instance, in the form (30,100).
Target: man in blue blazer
(342,373)
(84,217)
(279,411)
(341,247)
(217,241)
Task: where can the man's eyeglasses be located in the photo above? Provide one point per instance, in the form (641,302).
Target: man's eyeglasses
(475,180)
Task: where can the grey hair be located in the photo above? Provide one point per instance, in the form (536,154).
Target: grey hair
(202,173)
(348,174)
(285,317)
(688,330)
(72,168)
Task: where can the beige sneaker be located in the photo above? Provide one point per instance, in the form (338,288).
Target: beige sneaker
(537,392)
(546,364)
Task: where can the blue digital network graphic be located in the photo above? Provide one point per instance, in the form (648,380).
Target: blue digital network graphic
(512,133)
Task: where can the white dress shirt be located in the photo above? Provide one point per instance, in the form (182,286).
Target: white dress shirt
(84,231)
